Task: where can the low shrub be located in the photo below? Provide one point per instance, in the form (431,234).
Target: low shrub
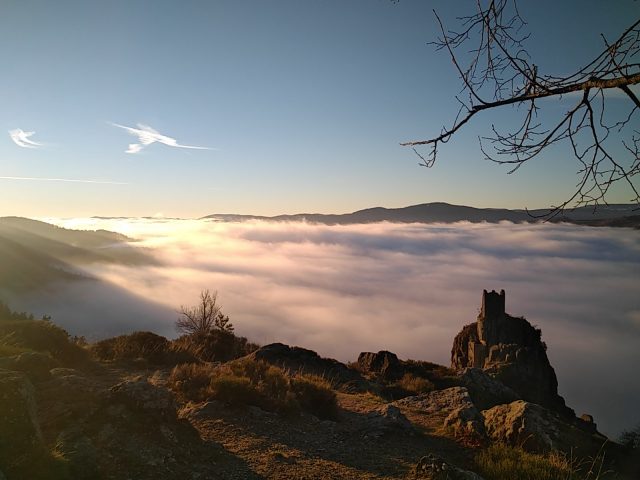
(315,395)
(214,346)
(234,390)
(250,382)
(502,462)
(415,385)
(146,346)
(190,381)
(17,336)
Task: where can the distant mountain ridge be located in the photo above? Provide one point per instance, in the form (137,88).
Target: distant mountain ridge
(617,215)
(34,253)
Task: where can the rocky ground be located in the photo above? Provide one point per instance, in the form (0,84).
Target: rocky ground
(127,418)
(117,423)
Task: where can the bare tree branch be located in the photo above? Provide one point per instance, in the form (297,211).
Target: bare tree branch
(499,73)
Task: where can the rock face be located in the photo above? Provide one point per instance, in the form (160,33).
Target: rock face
(509,349)
(297,359)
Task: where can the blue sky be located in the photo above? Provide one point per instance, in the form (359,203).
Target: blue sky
(303,103)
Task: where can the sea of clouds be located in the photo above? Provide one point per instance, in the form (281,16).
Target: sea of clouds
(408,288)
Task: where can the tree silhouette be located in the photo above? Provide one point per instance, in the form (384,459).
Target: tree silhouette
(499,72)
(204,317)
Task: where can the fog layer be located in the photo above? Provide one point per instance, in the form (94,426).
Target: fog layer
(408,288)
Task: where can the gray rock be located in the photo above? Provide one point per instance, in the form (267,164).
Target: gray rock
(202,411)
(432,467)
(81,454)
(141,396)
(35,364)
(64,372)
(461,415)
(536,428)
(20,433)
(386,419)
(486,391)
(383,363)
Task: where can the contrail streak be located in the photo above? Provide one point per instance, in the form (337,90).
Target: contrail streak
(71,180)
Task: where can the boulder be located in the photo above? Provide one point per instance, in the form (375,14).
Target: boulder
(486,391)
(386,419)
(297,359)
(538,429)
(461,415)
(140,396)
(432,467)
(20,435)
(383,363)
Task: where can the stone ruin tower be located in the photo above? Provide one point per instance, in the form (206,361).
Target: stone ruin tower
(509,349)
(492,313)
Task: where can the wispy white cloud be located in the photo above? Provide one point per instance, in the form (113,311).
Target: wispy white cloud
(21,138)
(71,180)
(147,135)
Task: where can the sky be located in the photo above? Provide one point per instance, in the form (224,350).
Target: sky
(296,106)
(408,288)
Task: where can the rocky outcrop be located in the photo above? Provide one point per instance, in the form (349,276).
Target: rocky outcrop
(538,429)
(510,350)
(461,416)
(297,359)
(384,363)
(20,435)
(139,395)
(485,390)
(432,467)
(35,364)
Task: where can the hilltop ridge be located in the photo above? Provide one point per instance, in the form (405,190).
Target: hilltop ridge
(619,215)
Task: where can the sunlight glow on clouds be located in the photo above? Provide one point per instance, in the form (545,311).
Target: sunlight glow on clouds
(22,138)
(408,288)
(147,136)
